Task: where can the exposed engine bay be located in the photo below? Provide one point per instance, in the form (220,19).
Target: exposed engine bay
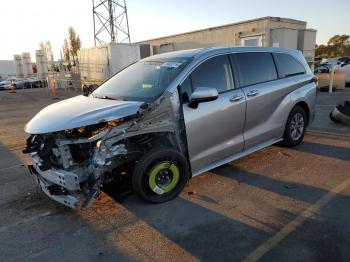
(72,165)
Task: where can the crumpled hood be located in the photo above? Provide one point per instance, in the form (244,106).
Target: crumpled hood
(79,111)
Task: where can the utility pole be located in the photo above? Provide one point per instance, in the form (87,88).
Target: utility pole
(110,19)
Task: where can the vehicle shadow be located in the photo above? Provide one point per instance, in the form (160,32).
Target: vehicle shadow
(44,228)
(34,227)
(212,236)
(204,233)
(297,191)
(342,153)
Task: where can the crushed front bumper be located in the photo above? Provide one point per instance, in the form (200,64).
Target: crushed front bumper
(58,184)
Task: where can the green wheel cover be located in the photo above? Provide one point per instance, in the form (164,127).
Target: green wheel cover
(157,168)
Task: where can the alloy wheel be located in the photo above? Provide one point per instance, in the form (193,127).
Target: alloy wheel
(297,126)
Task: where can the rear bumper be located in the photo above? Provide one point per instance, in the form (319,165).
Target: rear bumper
(60,185)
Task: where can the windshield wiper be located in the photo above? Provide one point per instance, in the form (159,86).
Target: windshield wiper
(105,97)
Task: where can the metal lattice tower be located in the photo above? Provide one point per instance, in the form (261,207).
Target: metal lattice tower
(110,22)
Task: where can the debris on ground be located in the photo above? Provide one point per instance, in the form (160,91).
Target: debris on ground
(282,153)
(207,199)
(341,113)
(291,186)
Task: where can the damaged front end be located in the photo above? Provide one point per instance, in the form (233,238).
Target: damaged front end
(80,144)
(72,165)
(67,164)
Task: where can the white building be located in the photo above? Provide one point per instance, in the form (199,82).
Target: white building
(265,31)
(7,68)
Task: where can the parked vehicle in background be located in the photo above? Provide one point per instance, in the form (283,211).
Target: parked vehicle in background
(323,68)
(34,83)
(5,85)
(87,89)
(327,68)
(341,65)
(326,65)
(330,61)
(21,83)
(344,61)
(170,117)
(346,70)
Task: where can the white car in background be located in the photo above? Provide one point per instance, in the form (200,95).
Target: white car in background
(346,71)
(21,83)
(4,85)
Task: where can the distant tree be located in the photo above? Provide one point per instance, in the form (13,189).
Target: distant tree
(71,46)
(339,40)
(74,42)
(341,44)
(46,46)
(322,51)
(337,46)
(66,51)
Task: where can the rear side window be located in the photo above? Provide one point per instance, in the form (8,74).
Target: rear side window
(215,72)
(288,65)
(254,68)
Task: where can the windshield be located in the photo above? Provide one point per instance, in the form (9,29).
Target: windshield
(142,81)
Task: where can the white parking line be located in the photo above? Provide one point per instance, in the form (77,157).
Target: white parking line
(289,228)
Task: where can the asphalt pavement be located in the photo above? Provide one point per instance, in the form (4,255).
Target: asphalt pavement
(278,204)
(325,104)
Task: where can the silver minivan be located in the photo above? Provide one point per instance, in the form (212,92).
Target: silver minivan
(170,117)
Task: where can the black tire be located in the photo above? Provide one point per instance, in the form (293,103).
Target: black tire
(152,160)
(291,139)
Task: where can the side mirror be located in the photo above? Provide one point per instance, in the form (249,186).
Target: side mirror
(203,94)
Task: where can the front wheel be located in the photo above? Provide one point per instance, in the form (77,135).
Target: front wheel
(160,175)
(295,127)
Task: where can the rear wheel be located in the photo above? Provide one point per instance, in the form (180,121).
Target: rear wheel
(295,127)
(160,175)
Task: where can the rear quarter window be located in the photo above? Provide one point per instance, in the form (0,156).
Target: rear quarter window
(255,67)
(288,65)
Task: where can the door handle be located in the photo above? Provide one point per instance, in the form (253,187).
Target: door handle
(236,98)
(253,93)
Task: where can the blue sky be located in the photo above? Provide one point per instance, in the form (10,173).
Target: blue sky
(23,23)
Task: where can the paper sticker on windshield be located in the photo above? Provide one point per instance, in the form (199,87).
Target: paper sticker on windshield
(171,64)
(147,85)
